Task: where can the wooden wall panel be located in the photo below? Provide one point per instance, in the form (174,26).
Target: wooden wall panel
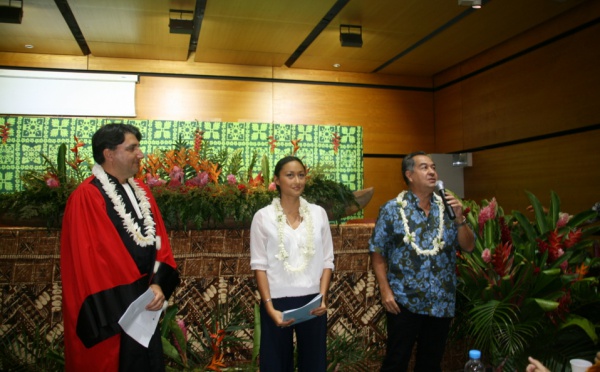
(448,120)
(567,165)
(385,174)
(549,90)
(203,99)
(581,14)
(394,121)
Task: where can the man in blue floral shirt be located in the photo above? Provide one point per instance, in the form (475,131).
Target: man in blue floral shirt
(413,251)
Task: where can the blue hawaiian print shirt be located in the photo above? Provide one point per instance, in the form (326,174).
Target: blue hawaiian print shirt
(423,284)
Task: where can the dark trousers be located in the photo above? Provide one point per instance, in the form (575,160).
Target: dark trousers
(404,330)
(277,344)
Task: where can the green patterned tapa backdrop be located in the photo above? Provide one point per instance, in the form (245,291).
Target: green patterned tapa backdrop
(24,139)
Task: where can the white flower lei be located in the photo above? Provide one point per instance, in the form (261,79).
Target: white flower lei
(130,225)
(309,249)
(410,237)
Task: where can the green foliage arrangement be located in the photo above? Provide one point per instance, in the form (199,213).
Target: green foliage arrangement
(194,186)
(529,288)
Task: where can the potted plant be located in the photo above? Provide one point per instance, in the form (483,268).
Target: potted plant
(527,289)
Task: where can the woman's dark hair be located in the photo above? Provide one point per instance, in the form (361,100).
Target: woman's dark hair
(408,163)
(284,161)
(109,137)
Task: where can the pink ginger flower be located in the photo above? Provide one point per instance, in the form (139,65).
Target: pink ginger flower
(487,213)
(154,181)
(200,180)
(231,179)
(272,186)
(177,176)
(52,181)
(486,255)
(182,351)
(563,218)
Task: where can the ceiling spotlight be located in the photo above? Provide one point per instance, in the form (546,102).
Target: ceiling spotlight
(12,12)
(184,24)
(475,4)
(336,65)
(351,36)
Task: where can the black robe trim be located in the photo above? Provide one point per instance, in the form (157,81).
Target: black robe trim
(100,313)
(167,278)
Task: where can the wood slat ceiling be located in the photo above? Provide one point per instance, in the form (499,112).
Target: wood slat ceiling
(408,37)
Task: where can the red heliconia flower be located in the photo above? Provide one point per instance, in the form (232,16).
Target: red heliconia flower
(556,248)
(272,144)
(505,236)
(573,237)
(78,144)
(198,140)
(501,259)
(256,181)
(466,211)
(558,315)
(336,142)
(296,144)
(4,130)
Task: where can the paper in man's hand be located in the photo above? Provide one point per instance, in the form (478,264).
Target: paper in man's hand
(138,322)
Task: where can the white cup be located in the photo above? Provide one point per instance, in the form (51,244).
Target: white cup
(580,365)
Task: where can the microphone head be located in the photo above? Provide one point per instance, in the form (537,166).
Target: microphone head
(439,185)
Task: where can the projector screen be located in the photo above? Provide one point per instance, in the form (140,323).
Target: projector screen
(31,92)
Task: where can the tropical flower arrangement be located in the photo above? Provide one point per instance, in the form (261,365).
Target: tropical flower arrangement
(529,288)
(194,186)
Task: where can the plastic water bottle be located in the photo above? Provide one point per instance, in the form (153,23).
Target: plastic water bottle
(474,364)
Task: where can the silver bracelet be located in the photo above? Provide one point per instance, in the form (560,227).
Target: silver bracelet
(464,222)
(267,300)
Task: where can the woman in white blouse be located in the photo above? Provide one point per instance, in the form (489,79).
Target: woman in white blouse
(292,257)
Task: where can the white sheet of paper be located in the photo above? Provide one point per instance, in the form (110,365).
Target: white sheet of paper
(303,314)
(138,322)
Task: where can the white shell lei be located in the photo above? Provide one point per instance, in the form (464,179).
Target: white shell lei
(309,249)
(130,225)
(410,237)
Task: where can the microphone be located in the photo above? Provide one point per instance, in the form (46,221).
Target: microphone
(440,186)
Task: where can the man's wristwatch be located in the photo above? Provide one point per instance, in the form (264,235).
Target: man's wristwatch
(463,223)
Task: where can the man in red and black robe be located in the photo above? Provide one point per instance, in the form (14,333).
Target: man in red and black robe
(105,265)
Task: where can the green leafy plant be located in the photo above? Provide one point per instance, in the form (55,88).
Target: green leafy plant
(194,187)
(525,289)
(45,193)
(24,351)
(351,352)
(205,347)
